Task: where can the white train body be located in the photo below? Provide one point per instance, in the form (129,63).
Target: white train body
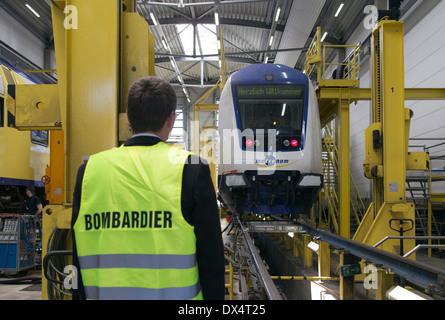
(270,144)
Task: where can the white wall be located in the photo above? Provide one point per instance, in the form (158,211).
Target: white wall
(424,68)
(20,39)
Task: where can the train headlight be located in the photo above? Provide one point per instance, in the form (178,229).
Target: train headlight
(236,180)
(286,143)
(310,180)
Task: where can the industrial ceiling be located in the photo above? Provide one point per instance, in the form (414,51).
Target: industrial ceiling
(253,31)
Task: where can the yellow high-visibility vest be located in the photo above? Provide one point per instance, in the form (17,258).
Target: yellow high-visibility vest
(131,237)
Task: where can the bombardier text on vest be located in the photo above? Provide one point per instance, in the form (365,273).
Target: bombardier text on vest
(128,219)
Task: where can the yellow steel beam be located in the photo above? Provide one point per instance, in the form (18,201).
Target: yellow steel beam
(344,167)
(40,70)
(363,94)
(438,197)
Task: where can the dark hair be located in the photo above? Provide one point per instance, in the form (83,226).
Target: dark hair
(31,188)
(150,102)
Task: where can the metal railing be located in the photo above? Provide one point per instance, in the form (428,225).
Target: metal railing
(330,175)
(348,71)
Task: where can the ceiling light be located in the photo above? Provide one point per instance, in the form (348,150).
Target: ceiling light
(339,9)
(164,44)
(32,10)
(270,41)
(152,16)
(278,14)
(324,36)
(266,60)
(217,18)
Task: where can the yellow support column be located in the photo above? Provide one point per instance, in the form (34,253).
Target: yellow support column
(344,166)
(347,289)
(386,143)
(308,254)
(324,260)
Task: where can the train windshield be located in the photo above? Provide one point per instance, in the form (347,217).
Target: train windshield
(279,107)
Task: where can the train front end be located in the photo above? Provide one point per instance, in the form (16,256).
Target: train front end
(270,146)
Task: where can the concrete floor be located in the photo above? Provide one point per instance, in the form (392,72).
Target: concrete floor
(24,291)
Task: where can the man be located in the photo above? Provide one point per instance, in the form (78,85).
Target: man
(145,218)
(33,204)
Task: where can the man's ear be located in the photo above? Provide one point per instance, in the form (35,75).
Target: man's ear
(172,118)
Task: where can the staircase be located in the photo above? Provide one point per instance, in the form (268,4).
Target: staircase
(330,186)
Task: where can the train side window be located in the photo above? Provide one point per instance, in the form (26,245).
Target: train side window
(2,112)
(2,85)
(8,76)
(40,137)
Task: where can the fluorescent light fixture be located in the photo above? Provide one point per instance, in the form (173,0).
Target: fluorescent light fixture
(266,60)
(164,44)
(313,246)
(32,10)
(152,16)
(324,36)
(399,293)
(278,14)
(339,9)
(217,18)
(310,181)
(283,112)
(270,41)
(235,181)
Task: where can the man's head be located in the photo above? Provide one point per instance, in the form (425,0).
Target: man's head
(30,191)
(150,103)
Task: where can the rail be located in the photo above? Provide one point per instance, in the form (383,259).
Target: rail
(426,276)
(264,277)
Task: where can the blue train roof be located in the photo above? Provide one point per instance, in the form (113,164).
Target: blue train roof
(255,73)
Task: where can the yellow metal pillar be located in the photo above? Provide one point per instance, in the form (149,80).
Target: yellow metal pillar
(344,166)
(347,289)
(324,260)
(210,150)
(386,142)
(385,281)
(307,253)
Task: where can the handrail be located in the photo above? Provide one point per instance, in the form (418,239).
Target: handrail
(408,238)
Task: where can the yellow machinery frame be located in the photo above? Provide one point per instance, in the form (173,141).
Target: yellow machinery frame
(94,75)
(386,165)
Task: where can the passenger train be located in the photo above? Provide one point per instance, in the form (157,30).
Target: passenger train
(270,142)
(24,155)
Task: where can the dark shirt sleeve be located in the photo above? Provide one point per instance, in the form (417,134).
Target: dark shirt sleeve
(79,293)
(200,209)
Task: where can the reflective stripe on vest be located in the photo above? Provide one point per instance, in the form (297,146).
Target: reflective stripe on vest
(184,293)
(149,261)
(132,240)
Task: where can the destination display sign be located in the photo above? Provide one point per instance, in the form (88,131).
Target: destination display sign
(281,91)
